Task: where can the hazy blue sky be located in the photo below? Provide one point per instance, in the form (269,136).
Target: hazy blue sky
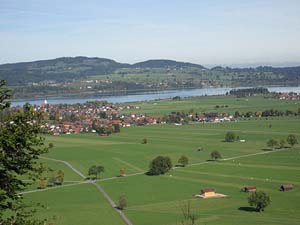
(200,31)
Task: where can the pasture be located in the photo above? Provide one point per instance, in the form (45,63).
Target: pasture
(209,103)
(158,199)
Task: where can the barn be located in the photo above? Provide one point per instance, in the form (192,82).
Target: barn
(208,192)
(249,189)
(286,187)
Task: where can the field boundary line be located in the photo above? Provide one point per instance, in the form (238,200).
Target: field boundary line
(67,164)
(253,154)
(55,187)
(128,164)
(98,186)
(113,204)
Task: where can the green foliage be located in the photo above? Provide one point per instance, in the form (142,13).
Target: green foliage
(260,200)
(282,143)
(144,141)
(183,160)
(95,171)
(60,177)
(51,145)
(117,128)
(230,137)
(20,147)
(160,165)
(272,143)
(292,140)
(122,172)
(215,155)
(122,202)
(176,98)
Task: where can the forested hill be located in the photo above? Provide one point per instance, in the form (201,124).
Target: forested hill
(59,69)
(74,68)
(67,68)
(163,63)
(285,71)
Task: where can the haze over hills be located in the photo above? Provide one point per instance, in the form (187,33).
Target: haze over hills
(67,68)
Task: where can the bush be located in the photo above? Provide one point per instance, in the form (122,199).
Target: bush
(144,141)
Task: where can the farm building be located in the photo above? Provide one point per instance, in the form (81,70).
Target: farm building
(286,187)
(249,189)
(208,192)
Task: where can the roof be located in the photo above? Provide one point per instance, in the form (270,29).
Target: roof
(286,186)
(208,190)
(250,187)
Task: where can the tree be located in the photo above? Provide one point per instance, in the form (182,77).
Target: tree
(260,200)
(60,177)
(189,217)
(117,128)
(230,137)
(183,160)
(122,172)
(51,181)
(20,148)
(122,202)
(160,165)
(144,141)
(292,140)
(282,143)
(51,145)
(95,170)
(42,183)
(272,143)
(215,155)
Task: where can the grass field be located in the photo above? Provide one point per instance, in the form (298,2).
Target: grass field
(158,199)
(208,104)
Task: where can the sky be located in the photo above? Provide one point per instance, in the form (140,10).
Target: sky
(207,32)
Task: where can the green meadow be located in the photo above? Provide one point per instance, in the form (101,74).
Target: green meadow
(159,199)
(209,103)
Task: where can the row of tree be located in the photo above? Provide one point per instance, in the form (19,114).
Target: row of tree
(291,140)
(162,164)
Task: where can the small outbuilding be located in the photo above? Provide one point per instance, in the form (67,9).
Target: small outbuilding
(249,189)
(286,187)
(208,192)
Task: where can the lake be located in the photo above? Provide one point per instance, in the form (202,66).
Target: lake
(146,96)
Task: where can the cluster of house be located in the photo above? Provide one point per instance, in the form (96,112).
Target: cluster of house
(88,117)
(92,117)
(288,96)
(211,192)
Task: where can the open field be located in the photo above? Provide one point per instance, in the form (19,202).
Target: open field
(75,205)
(157,199)
(208,104)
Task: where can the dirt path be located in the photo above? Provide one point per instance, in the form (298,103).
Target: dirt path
(98,186)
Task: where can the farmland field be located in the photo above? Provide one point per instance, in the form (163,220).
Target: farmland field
(158,199)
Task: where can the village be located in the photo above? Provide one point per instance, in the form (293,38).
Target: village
(106,118)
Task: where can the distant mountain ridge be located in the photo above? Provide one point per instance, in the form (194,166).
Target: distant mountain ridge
(68,68)
(63,68)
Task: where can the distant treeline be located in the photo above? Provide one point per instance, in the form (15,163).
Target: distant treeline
(249,91)
(267,113)
(186,117)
